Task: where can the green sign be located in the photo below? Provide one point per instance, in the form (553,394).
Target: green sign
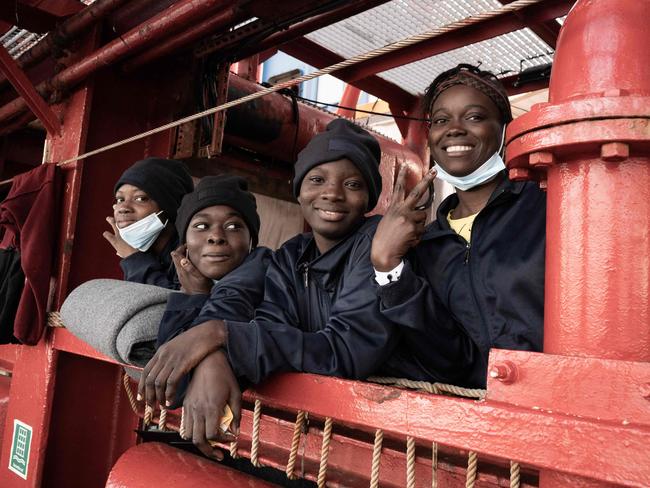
(20,444)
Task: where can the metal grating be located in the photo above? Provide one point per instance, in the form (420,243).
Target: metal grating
(16,41)
(399,19)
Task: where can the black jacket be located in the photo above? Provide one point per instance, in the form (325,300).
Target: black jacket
(234,297)
(458,300)
(151,269)
(320,313)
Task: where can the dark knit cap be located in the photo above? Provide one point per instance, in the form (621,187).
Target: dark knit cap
(342,139)
(472,76)
(227,190)
(164,180)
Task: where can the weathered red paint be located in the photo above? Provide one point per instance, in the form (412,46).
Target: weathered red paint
(224,18)
(26,90)
(66,31)
(155,464)
(590,147)
(165,23)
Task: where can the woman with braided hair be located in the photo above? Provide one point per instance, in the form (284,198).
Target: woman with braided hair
(474,278)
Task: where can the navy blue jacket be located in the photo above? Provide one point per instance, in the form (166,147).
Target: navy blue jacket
(456,300)
(234,297)
(151,269)
(320,313)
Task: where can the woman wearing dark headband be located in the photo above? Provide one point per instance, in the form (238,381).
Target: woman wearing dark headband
(474,278)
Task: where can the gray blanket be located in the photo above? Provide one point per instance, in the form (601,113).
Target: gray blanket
(118,318)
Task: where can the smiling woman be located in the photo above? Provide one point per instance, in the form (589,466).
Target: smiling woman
(147,197)
(474,279)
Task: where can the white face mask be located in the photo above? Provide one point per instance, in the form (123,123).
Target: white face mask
(142,234)
(480,175)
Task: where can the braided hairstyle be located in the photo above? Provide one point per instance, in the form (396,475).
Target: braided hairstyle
(468,75)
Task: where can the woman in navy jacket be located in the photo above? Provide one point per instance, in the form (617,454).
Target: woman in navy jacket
(147,197)
(320,312)
(474,279)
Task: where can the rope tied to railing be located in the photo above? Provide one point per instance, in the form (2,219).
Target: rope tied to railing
(295,444)
(325,453)
(255,441)
(410,462)
(438,31)
(434,388)
(472,469)
(376,458)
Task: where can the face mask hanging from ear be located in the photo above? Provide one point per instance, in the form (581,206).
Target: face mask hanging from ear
(480,175)
(142,234)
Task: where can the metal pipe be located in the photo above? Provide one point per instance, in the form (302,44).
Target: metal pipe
(590,145)
(161,25)
(69,29)
(220,21)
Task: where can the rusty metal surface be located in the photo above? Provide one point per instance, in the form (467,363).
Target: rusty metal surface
(26,90)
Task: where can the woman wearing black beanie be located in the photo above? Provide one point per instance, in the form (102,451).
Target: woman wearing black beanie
(320,312)
(147,197)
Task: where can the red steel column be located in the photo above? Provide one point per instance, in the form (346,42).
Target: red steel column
(590,146)
(350,98)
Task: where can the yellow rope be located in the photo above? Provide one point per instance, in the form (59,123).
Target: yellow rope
(410,462)
(376,458)
(472,469)
(515,476)
(434,388)
(295,443)
(434,465)
(255,442)
(54,320)
(439,31)
(325,453)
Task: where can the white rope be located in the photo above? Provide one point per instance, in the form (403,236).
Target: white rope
(409,41)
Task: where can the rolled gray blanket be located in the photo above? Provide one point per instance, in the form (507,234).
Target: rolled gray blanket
(118,318)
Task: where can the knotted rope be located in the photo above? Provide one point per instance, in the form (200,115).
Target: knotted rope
(376,458)
(472,469)
(325,453)
(255,441)
(434,388)
(295,443)
(410,462)
(434,465)
(54,320)
(515,475)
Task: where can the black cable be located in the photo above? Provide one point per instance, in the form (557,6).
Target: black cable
(405,117)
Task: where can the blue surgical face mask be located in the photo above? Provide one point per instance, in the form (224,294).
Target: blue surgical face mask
(142,234)
(480,175)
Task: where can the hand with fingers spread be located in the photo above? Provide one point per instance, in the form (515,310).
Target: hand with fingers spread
(213,386)
(122,249)
(163,373)
(191,280)
(402,226)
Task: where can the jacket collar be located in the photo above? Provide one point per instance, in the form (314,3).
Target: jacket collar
(504,190)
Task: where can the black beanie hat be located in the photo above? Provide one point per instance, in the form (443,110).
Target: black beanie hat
(342,139)
(227,190)
(164,180)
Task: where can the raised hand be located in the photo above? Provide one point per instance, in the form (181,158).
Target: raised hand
(191,280)
(402,226)
(122,249)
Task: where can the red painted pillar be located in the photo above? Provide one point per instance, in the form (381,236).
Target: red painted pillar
(590,146)
(350,98)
